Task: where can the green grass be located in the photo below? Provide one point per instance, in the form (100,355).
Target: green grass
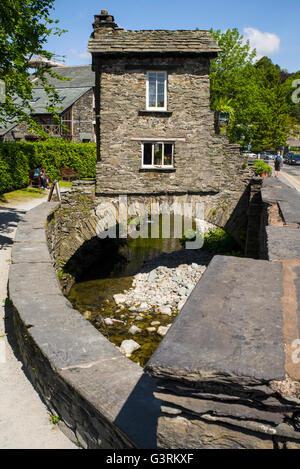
(28,193)
(65,184)
(22,195)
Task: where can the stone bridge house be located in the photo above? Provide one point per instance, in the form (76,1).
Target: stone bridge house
(156,133)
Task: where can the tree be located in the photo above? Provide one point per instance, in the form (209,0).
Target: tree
(25,26)
(272,123)
(254,90)
(228,68)
(291,89)
(231,82)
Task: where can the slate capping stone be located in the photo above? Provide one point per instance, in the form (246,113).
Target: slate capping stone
(30,252)
(283,242)
(30,235)
(222,347)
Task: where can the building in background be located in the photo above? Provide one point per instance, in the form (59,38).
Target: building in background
(75,108)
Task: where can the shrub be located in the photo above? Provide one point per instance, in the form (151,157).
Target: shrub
(14,167)
(17,158)
(262,167)
(216,241)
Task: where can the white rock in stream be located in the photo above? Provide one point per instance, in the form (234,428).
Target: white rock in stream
(128,347)
(120,298)
(181,304)
(108,321)
(164,289)
(144,307)
(134,330)
(165,310)
(162,330)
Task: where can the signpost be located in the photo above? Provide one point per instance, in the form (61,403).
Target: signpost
(55,186)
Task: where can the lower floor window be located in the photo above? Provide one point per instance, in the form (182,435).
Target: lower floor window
(158,154)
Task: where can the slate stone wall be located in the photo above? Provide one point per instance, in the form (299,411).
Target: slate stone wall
(84,116)
(103,399)
(203,162)
(199,388)
(17,132)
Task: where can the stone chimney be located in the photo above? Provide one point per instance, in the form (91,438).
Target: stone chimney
(104,22)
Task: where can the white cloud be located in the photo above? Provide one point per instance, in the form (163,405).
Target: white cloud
(82,55)
(264,43)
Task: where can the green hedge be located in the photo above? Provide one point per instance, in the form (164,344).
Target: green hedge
(17,158)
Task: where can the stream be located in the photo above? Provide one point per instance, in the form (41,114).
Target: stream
(154,277)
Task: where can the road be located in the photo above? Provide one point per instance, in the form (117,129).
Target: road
(290,174)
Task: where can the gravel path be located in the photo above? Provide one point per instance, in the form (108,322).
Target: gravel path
(24,419)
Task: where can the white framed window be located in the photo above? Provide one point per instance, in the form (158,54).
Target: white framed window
(157,154)
(156,98)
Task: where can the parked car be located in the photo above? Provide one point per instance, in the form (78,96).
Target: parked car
(249,154)
(265,156)
(293,158)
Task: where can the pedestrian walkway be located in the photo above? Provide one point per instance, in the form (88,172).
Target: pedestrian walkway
(24,419)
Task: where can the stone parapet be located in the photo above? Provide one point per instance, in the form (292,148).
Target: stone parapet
(281,232)
(225,367)
(103,399)
(234,380)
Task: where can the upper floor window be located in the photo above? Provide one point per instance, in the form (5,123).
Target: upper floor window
(156,91)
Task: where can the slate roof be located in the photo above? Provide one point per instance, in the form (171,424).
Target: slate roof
(81,76)
(70,95)
(109,41)
(9,126)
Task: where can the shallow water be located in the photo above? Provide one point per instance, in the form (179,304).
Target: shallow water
(94,298)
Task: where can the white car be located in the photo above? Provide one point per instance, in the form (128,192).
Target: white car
(250,155)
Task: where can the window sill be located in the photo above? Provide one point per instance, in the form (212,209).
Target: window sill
(147,112)
(157,169)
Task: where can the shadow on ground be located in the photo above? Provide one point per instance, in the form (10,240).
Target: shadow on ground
(9,218)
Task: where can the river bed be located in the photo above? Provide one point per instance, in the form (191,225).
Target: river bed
(140,298)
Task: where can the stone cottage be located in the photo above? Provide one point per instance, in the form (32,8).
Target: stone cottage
(75,107)
(155,129)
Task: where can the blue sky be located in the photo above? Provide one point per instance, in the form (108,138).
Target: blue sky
(271,25)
